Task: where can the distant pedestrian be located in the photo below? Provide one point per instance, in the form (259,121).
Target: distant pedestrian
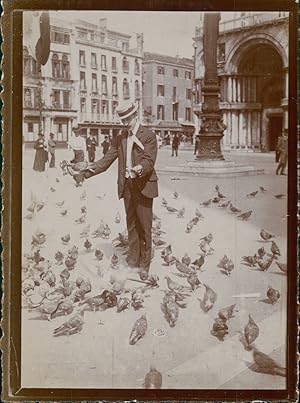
(167,138)
(51,149)
(105,145)
(91,144)
(175,145)
(41,154)
(78,145)
(196,144)
(159,141)
(282,146)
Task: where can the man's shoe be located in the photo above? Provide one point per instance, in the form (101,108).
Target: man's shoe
(144,274)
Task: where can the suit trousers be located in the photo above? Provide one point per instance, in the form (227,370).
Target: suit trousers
(139,225)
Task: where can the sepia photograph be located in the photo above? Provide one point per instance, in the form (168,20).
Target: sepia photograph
(154,228)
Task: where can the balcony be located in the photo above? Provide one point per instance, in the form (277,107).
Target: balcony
(94,117)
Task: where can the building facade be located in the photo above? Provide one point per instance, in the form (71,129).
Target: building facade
(253,78)
(167,94)
(89,71)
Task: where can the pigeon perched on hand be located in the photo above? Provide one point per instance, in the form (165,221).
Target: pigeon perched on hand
(265,235)
(245,216)
(153,379)
(139,330)
(273,295)
(251,331)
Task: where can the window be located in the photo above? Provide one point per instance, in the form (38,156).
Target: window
(95,106)
(137,90)
(175,111)
(92,36)
(125,65)
(221,52)
(94,83)
(103,62)
(104,108)
(65,67)
(55,66)
(114,86)
(36,97)
(56,99)
(174,95)
(27,66)
(66,38)
(114,64)
(102,37)
(83,34)
(82,105)
(160,70)
(160,90)
(60,37)
(160,112)
(175,73)
(136,67)
(94,60)
(187,75)
(114,105)
(125,46)
(104,84)
(66,99)
(82,81)
(82,58)
(188,93)
(27,98)
(188,114)
(126,93)
(30,127)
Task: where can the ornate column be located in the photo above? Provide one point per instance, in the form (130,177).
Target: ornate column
(229,89)
(238,86)
(212,127)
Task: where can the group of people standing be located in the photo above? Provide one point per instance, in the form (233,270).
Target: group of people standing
(44,152)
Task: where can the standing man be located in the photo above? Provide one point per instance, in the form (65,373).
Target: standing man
(78,145)
(282,147)
(91,144)
(175,144)
(105,144)
(136,150)
(51,149)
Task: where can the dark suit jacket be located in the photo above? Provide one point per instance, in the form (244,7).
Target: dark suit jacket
(147,182)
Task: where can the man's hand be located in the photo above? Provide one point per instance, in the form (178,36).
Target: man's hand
(79,178)
(138,169)
(91,166)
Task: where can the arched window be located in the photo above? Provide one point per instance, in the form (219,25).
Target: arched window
(125,64)
(55,66)
(136,67)
(126,94)
(137,90)
(65,67)
(27,98)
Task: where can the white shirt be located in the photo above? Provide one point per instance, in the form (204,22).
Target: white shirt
(77,143)
(130,140)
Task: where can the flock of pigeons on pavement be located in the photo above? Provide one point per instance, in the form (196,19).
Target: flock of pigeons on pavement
(63,293)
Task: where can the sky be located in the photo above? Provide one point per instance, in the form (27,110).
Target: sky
(168,33)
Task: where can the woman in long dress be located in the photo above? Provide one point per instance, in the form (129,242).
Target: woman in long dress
(41,154)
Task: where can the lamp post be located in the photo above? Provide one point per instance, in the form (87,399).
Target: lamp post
(212,127)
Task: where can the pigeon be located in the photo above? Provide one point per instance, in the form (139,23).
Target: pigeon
(225,205)
(156,225)
(220,329)
(273,295)
(99,254)
(251,331)
(250,260)
(205,248)
(166,251)
(155,217)
(29,216)
(64,307)
(209,299)
(164,202)
(31,207)
(52,189)
(252,194)
(46,307)
(37,257)
(228,267)
(81,219)
(106,232)
(207,238)
(181,213)
(73,252)
(220,195)
(39,206)
(101,197)
(117,285)
(186,259)
(70,262)
(262,189)
(64,275)
(85,231)
(198,263)
(63,212)
(282,266)
(121,241)
(72,326)
(87,244)
(193,281)
(139,330)
(234,209)
(157,232)
(216,200)
(217,187)
(225,259)
(189,227)
(266,236)
(153,379)
(65,239)
(226,313)
(60,204)
(83,209)
(183,268)
(83,195)
(95,302)
(117,218)
(173,286)
(171,209)
(206,203)
(275,250)
(175,195)
(99,231)
(261,252)
(195,220)
(279,196)
(245,216)
(169,259)
(114,261)
(266,364)
(137,299)
(198,213)
(158,242)
(170,309)
(38,238)
(264,266)
(48,277)
(123,303)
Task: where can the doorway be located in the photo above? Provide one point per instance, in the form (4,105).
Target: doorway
(275,129)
